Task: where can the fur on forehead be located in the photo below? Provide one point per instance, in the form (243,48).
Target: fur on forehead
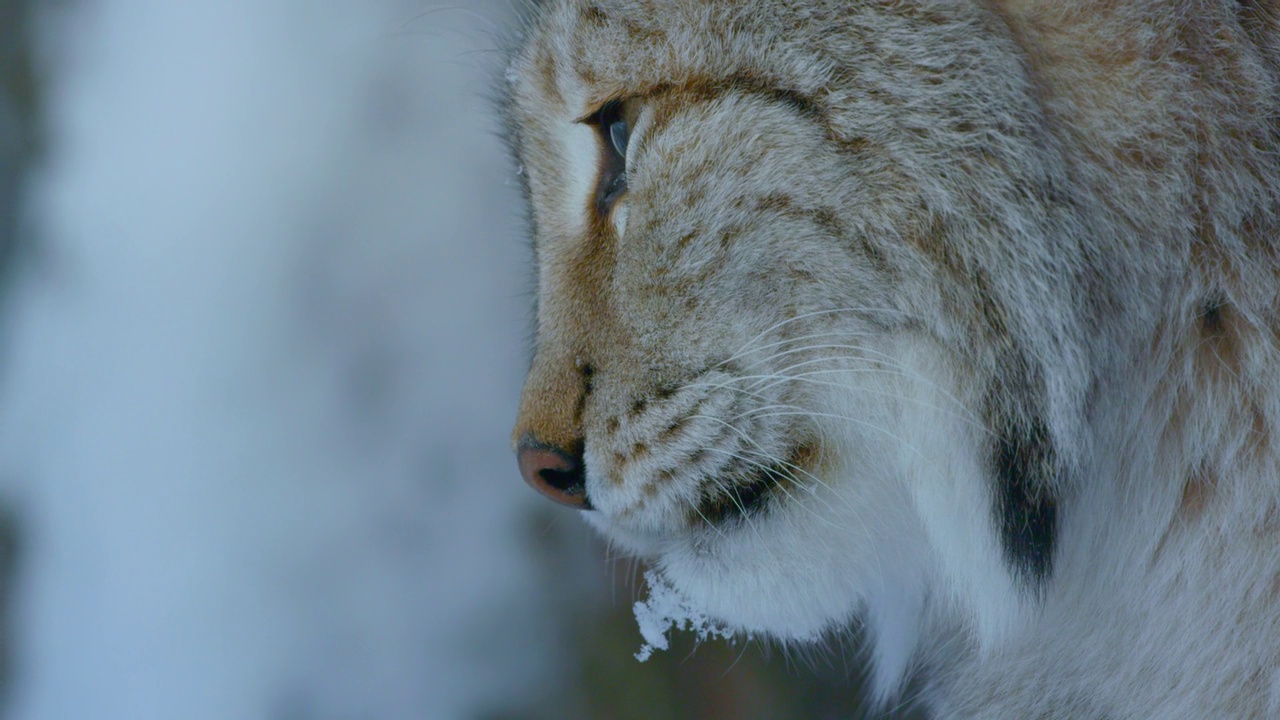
(582,53)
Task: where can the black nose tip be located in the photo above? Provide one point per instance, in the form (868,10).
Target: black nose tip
(554,472)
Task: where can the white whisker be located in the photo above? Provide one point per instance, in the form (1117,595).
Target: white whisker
(831,311)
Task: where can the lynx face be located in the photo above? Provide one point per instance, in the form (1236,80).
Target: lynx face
(768,312)
(700,333)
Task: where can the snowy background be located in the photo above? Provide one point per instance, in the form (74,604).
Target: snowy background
(262,344)
(262,364)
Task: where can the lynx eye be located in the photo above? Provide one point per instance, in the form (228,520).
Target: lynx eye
(618,135)
(614,123)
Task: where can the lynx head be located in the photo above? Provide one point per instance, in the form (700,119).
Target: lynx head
(808,316)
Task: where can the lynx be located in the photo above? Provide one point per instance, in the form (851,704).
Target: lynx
(955,320)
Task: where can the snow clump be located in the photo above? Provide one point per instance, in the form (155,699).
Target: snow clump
(666,608)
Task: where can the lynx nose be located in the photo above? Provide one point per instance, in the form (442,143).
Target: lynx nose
(554,472)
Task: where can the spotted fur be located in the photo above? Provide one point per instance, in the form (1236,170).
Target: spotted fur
(955,318)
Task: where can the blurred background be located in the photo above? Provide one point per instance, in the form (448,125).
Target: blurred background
(264,298)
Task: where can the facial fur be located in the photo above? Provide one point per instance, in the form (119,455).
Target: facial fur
(877,308)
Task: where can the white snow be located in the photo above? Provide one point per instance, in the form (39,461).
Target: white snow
(259,378)
(666,609)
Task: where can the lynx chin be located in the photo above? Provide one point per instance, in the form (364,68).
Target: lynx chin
(956,319)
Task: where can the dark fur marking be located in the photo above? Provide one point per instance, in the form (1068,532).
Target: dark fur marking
(1023,458)
(854,144)
(1025,506)
(748,83)
(595,15)
(828,220)
(675,428)
(875,257)
(686,240)
(825,219)
(666,392)
(587,371)
(803,105)
(1211,316)
(764,87)
(748,496)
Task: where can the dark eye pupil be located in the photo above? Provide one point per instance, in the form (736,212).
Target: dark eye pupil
(618,136)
